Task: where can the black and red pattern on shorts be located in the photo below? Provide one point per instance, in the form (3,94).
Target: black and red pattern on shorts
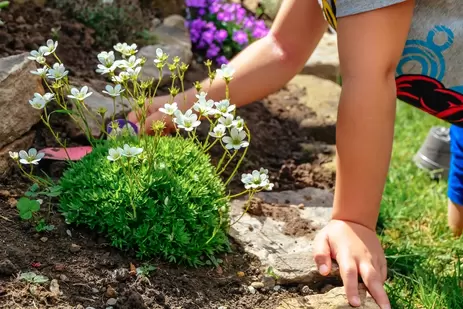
(431,96)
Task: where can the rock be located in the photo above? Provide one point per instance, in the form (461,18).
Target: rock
(276,288)
(305,290)
(63,278)
(18,86)
(20,20)
(54,288)
(321,96)
(290,257)
(74,248)
(111,302)
(110,292)
(251,289)
(174,39)
(324,62)
(44,239)
(334,299)
(79,306)
(12,202)
(257,285)
(95,291)
(268,282)
(7,268)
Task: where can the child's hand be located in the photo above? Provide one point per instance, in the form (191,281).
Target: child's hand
(357,251)
(152,106)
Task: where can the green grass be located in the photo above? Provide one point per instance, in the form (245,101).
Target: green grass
(423,256)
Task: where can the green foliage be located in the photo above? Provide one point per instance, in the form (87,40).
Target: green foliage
(32,277)
(112,23)
(181,204)
(27,208)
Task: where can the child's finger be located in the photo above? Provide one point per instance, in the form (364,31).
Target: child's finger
(349,274)
(322,254)
(374,283)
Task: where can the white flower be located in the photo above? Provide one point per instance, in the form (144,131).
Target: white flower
(224,107)
(204,107)
(263,171)
(30,157)
(255,180)
(115,154)
(228,121)
(81,94)
(235,140)
(226,72)
(187,121)
(131,151)
(125,49)
(239,123)
(109,2)
(132,63)
(133,73)
(218,131)
(159,55)
(39,101)
(169,109)
(40,72)
(113,91)
(37,56)
(50,48)
(268,186)
(14,155)
(201,96)
(122,78)
(58,72)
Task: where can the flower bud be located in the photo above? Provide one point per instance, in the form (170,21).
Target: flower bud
(158,126)
(183,67)
(172,67)
(197,86)
(102,111)
(176,59)
(208,63)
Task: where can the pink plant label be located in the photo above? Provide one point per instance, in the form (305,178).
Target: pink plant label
(59,154)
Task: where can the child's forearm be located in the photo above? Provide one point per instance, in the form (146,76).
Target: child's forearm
(268,64)
(365,132)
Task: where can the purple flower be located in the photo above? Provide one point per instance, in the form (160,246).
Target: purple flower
(213,51)
(248,23)
(240,14)
(208,37)
(221,60)
(221,35)
(121,123)
(240,37)
(196,3)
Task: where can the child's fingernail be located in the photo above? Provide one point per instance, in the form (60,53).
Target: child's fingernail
(323,269)
(355,301)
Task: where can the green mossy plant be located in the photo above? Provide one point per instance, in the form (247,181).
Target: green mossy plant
(178,197)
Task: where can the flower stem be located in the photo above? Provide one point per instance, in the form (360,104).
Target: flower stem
(228,162)
(248,204)
(241,159)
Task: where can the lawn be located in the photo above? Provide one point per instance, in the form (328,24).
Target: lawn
(423,256)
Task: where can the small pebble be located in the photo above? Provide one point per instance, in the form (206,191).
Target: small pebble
(95,291)
(74,248)
(300,206)
(276,288)
(111,302)
(89,308)
(222,307)
(79,306)
(63,278)
(44,239)
(305,290)
(60,267)
(257,285)
(69,233)
(251,289)
(268,281)
(240,274)
(111,292)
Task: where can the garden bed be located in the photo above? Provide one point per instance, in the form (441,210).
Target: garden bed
(89,271)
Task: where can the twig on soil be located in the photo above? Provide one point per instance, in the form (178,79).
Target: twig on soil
(5,218)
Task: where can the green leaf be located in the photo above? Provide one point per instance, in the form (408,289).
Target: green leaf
(33,278)
(27,207)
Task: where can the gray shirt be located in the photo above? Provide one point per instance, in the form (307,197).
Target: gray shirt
(430,72)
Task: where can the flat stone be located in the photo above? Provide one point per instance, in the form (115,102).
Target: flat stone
(17,87)
(322,97)
(290,257)
(22,143)
(334,299)
(174,39)
(324,62)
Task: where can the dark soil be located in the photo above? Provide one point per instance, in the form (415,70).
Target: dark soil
(89,271)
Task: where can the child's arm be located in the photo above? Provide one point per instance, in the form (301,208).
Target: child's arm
(268,64)
(370,46)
